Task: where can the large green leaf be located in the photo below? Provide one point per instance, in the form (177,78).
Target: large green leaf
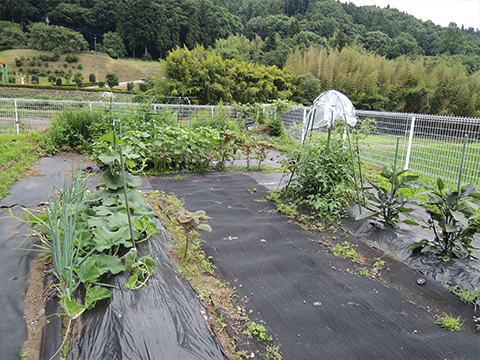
(112,180)
(106,239)
(108,263)
(468,208)
(72,309)
(366,215)
(459,216)
(88,271)
(96,293)
(132,282)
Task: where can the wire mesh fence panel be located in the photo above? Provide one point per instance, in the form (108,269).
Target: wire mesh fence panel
(7,117)
(431,145)
(435,143)
(293,121)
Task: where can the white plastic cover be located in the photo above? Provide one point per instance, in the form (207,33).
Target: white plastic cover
(328,107)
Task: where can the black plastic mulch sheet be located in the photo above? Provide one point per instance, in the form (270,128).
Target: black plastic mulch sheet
(312,305)
(161,321)
(15,264)
(464,272)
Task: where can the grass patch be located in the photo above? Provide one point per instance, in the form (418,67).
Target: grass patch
(17,154)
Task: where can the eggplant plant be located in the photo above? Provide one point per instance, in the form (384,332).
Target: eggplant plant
(451,219)
(388,200)
(191,222)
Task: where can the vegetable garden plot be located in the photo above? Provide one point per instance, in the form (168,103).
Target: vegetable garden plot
(312,302)
(163,320)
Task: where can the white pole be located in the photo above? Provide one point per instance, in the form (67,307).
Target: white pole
(16,116)
(410,140)
(304,123)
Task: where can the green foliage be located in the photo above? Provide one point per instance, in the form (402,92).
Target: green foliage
(191,222)
(13,35)
(17,154)
(111,80)
(35,79)
(257,331)
(323,178)
(140,269)
(451,215)
(92,78)
(206,76)
(130,86)
(71,58)
(449,322)
(275,127)
(75,131)
(345,250)
(113,45)
(387,198)
(43,37)
(78,78)
(468,296)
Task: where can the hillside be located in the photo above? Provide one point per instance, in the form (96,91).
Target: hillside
(100,65)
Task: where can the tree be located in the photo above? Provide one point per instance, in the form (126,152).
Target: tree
(112,80)
(43,37)
(78,79)
(92,78)
(403,44)
(12,35)
(52,79)
(130,86)
(113,45)
(136,23)
(452,40)
(163,40)
(294,28)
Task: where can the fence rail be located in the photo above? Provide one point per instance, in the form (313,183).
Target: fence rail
(429,144)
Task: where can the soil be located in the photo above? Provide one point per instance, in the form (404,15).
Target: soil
(35,313)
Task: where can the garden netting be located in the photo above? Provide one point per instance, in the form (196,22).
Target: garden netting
(313,303)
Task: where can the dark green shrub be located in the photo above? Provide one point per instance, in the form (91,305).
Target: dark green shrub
(275,128)
(18,62)
(142,87)
(71,58)
(75,131)
(32,63)
(80,66)
(101,84)
(12,80)
(65,64)
(56,55)
(33,70)
(92,78)
(35,79)
(59,82)
(323,177)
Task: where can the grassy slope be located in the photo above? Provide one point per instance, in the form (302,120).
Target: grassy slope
(17,154)
(100,65)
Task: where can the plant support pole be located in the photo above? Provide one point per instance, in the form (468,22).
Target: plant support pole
(126,197)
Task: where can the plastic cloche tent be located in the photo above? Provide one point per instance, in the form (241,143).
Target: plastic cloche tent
(328,107)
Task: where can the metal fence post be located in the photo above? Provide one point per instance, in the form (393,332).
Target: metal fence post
(16,116)
(410,140)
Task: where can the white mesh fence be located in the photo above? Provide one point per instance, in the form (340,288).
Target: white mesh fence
(428,144)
